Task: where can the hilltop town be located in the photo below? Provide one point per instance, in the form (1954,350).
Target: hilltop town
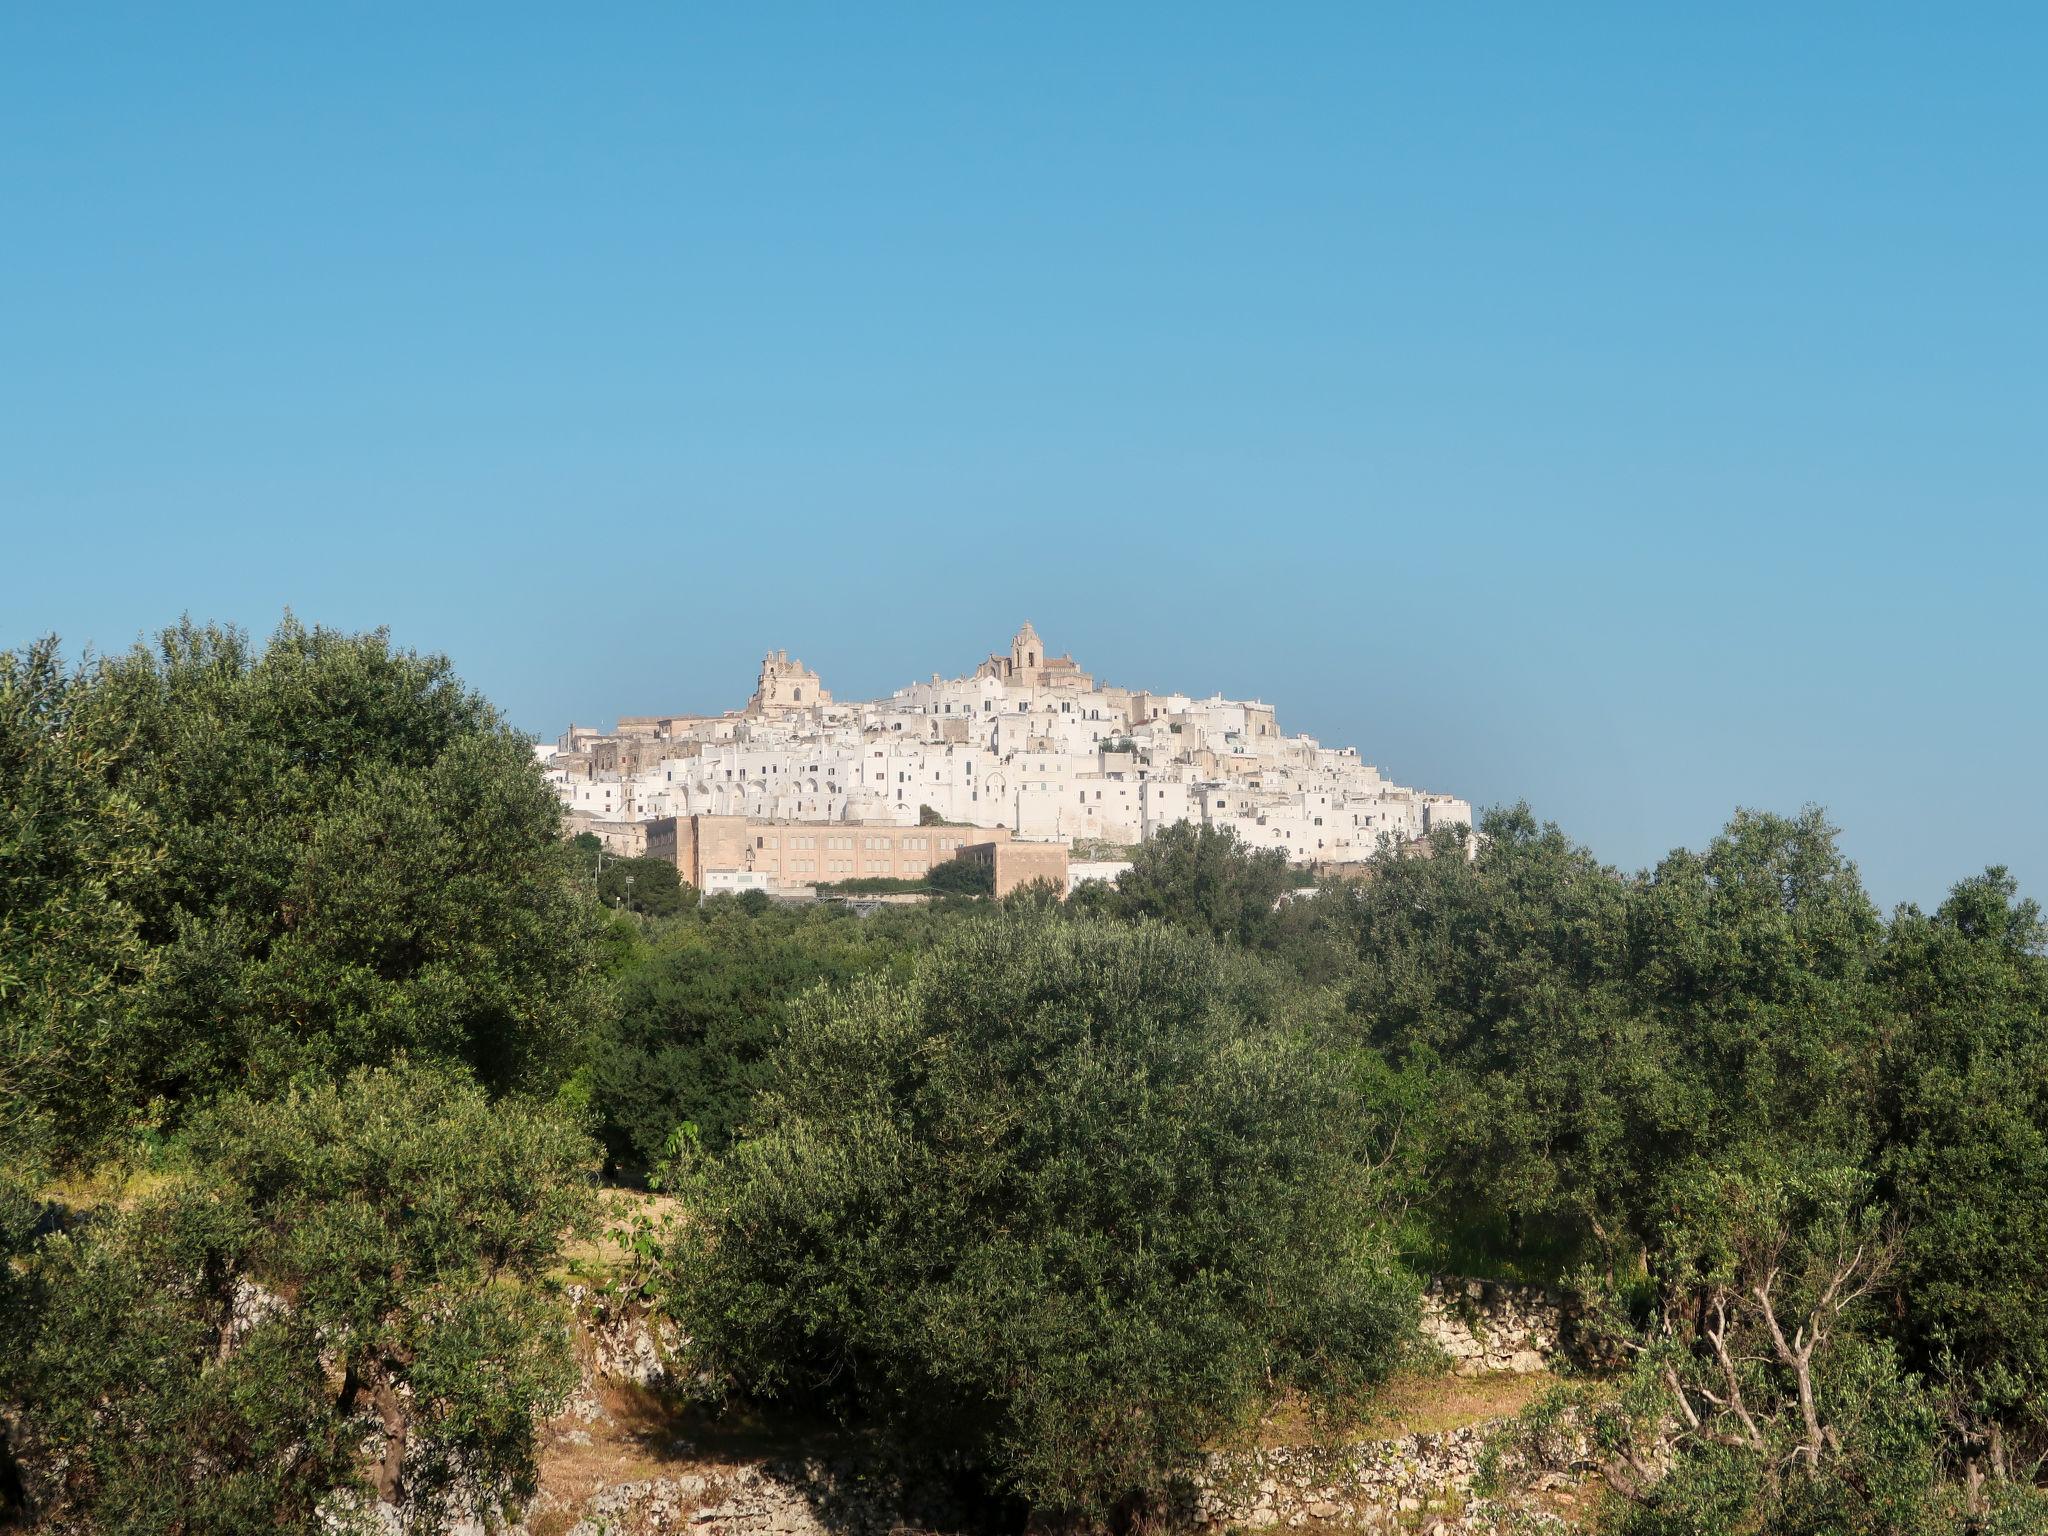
(1023,761)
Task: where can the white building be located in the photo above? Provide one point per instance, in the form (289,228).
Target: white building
(1029,742)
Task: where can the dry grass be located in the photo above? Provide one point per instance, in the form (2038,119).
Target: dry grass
(1412,1403)
(1433,1403)
(116,1184)
(596,1259)
(642,1435)
(637,1439)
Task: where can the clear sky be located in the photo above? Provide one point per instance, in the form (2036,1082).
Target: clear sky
(1640,410)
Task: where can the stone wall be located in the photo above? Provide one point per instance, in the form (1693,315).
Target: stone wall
(1487,1325)
(1414,1482)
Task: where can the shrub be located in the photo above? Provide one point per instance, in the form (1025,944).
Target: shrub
(1058,1208)
(353,1263)
(961,877)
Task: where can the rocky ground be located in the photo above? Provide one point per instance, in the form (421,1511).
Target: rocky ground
(620,1461)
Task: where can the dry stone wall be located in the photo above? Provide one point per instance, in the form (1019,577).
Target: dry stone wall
(1487,1326)
(1415,1482)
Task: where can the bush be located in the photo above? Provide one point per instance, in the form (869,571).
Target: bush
(962,877)
(696,1018)
(650,887)
(1060,1207)
(1203,878)
(872,885)
(356,1261)
(243,866)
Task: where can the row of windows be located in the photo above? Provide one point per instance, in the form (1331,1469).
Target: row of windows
(847,866)
(884,843)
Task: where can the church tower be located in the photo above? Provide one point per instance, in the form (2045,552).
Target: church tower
(1027,655)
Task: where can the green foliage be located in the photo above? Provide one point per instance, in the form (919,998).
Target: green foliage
(1203,878)
(615,880)
(1063,1203)
(1618,1068)
(1961,1083)
(74,845)
(1758,1400)
(961,877)
(928,817)
(1503,979)
(872,885)
(952,877)
(697,1016)
(650,887)
(228,868)
(1589,1034)
(142,1408)
(355,1259)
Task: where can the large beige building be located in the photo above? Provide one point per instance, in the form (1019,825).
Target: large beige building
(1012,866)
(800,853)
(1028,666)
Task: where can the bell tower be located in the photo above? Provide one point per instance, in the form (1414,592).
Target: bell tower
(1027,654)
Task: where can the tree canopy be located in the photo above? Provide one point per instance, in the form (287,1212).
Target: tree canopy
(358,1256)
(239,865)
(1064,1202)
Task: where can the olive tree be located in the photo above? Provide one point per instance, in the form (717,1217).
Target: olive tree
(1062,1207)
(225,866)
(355,1265)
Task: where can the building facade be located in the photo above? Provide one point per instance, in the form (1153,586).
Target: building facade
(1027,748)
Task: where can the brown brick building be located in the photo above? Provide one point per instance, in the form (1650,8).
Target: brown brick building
(798,853)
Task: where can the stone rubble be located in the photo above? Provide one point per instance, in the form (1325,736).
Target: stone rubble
(1368,1485)
(627,1346)
(778,1498)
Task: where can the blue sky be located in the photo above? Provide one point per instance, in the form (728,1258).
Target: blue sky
(1635,411)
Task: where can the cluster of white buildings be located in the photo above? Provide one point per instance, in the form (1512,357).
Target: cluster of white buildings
(1027,743)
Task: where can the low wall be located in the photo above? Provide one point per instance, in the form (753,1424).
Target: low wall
(1487,1325)
(1408,1483)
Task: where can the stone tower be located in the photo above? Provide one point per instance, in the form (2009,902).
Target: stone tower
(1027,655)
(785,686)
